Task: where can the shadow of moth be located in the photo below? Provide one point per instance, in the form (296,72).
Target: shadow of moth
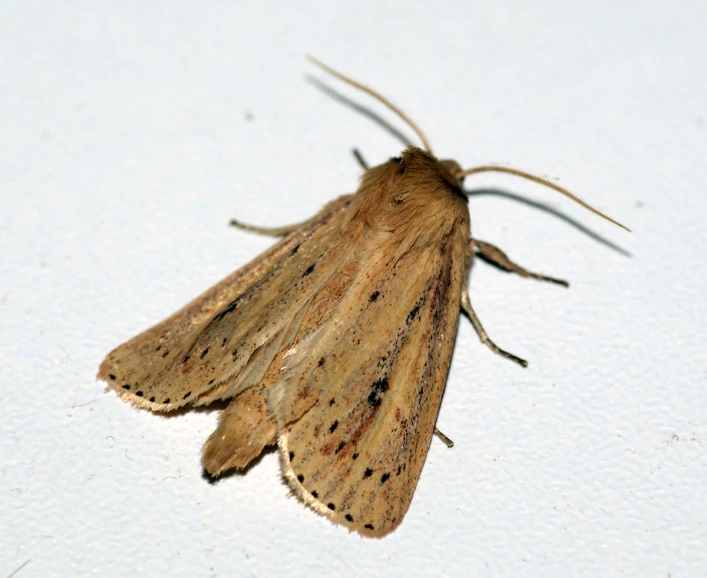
(334,344)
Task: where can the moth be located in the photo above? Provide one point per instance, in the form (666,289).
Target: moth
(334,344)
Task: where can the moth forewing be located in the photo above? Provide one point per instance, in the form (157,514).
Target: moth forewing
(358,404)
(195,356)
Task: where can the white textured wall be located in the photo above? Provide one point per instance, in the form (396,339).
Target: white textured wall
(130,132)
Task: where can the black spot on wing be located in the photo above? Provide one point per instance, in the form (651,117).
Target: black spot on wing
(373,399)
(381,385)
(378,388)
(413,313)
(230,308)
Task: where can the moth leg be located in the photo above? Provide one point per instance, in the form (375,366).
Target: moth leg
(270,231)
(447,442)
(469,310)
(497,257)
(330,207)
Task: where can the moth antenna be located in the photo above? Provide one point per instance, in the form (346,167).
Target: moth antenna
(539,180)
(379,97)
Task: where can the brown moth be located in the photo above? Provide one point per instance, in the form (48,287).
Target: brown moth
(335,344)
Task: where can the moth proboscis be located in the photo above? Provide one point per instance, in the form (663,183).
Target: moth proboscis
(334,344)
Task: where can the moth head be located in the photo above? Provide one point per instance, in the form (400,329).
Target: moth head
(454,168)
(414,190)
(419,173)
